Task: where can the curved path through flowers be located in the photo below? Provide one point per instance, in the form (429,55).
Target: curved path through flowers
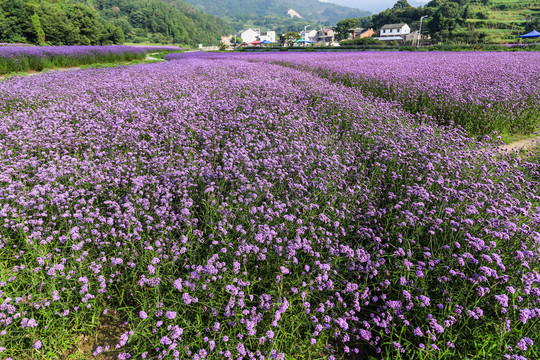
(524,144)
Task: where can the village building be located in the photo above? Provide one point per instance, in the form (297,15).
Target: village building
(309,35)
(325,36)
(360,33)
(412,37)
(250,35)
(268,36)
(397,32)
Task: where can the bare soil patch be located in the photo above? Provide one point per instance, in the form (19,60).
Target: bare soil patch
(524,144)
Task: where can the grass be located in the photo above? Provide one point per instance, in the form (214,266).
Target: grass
(23,63)
(95,65)
(502,15)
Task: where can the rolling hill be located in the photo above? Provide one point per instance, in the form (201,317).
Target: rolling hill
(504,20)
(466,21)
(279,15)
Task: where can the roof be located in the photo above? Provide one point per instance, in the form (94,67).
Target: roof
(532,34)
(393,26)
(255,30)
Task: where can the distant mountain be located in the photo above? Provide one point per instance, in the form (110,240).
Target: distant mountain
(161,21)
(279,15)
(374,6)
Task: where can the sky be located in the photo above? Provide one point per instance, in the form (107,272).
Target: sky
(375,6)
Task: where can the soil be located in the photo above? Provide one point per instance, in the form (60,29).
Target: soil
(525,144)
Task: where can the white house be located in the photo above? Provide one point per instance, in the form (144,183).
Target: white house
(250,35)
(394,32)
(309,35)
(325,36)
(269,36)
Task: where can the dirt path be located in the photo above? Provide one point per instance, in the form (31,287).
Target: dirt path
(525,144)
(149,57)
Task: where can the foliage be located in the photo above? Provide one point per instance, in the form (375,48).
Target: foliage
(364,41)
(465,20)
(54,23)
(290,37)
(344,26)
(235,40)
(402,12)
(103,22)
(161,21)
(532,25)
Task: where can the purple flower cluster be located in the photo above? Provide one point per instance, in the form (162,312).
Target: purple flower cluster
(234,208)
(480,91)
(483,92)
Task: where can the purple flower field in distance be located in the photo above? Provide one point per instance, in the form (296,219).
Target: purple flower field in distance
(261,207)
(23,58)
(482,92)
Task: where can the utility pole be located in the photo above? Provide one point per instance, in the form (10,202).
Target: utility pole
(420,31)
(305,37)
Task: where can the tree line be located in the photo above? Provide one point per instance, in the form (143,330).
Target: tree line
(58,23)
(160,21)
(104,22)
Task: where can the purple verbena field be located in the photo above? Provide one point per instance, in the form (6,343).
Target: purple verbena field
(481,91)
(225,207)
(23,58)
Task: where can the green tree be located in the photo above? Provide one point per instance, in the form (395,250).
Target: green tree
(290,37)
(112,35)
(15,25)
(532,25)
(236,40)
(444,22)
(402,12)
(343,27)
(40,34)
(58,29)
(401,4)
(86,20)
(123,23)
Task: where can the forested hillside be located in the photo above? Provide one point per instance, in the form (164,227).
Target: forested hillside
(276,14)
(58,23)
(465,20)
(161,21)
(102,22)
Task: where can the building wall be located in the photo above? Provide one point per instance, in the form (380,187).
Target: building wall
(325,36)
(249,35)
(368,33)
(269,35)
(309,35)
(396,32)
